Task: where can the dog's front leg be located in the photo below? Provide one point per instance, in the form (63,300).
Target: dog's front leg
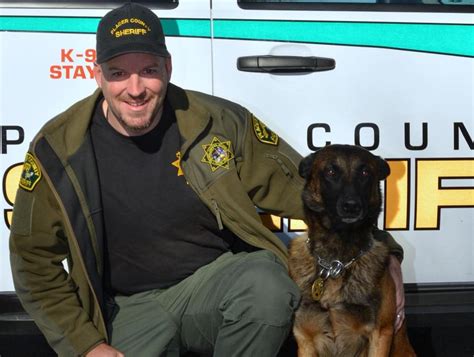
(305,343)
(401,346)
(313,333)
(380,342)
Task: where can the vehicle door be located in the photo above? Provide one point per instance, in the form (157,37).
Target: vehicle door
(396,77)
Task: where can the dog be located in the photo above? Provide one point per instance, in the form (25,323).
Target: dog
(348,296)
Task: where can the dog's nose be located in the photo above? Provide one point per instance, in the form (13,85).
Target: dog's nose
(351,207)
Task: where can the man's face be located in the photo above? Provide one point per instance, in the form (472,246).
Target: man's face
(134,87)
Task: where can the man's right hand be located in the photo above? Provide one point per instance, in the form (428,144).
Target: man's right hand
(104,350)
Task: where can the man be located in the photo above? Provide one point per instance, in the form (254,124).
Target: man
(148,191)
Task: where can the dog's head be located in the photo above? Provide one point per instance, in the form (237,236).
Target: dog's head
(342,184)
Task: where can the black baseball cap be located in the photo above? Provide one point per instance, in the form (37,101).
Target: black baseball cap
(127,29)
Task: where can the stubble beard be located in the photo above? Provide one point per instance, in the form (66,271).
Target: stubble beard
(138,126)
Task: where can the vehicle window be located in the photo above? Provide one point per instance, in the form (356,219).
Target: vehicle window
(412,2)
(84,3)
(422,5)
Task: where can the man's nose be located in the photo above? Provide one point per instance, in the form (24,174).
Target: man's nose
(135,86)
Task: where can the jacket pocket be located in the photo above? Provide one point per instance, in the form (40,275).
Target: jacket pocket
(22,213)
(217,213)
(283,166)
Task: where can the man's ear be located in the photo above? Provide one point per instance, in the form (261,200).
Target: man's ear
(98,74)
(169,67)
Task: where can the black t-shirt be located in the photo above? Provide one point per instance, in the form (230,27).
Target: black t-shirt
(157,230)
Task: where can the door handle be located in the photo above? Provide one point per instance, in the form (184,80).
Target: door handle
(285,64)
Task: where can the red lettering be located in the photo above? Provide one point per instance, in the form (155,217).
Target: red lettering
(67,69)
(90,69)
(66,55)
(55,72)
(70,71)
(90,55)
(79,73)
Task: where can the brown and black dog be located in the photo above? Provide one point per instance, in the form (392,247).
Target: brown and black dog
(348,296)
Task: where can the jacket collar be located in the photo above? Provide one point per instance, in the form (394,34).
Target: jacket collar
(65,133)
(191,116)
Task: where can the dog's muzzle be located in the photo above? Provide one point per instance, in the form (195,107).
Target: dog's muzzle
(350,210)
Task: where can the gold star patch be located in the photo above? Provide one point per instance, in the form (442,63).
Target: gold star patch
(217,154)
(177,164)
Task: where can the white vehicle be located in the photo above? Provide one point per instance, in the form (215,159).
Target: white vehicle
(396,77)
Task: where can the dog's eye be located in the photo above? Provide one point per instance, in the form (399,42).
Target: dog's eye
(330,172)
(365,173)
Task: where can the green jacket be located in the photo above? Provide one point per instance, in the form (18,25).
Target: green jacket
(230,159)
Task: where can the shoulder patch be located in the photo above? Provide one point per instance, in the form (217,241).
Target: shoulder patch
(263,133)
(217,154)
(31,173)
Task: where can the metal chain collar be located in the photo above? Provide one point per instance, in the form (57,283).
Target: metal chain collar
(335,268)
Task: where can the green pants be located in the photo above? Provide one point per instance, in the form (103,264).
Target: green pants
(239,305)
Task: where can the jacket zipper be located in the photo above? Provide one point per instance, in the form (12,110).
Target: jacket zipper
(217,213)
(214,207)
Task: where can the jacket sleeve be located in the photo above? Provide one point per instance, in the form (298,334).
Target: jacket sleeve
(394,248)
(38,247)
(269,171)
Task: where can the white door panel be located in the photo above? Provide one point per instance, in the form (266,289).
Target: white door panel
(390,92)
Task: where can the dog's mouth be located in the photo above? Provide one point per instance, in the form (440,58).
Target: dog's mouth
(349,220)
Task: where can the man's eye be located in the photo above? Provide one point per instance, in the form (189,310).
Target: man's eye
(150,71)
(117,74)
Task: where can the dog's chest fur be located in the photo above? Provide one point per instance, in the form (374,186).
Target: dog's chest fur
(341,322)
(356,290)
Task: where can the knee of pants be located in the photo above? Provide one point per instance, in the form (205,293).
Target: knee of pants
(262,292)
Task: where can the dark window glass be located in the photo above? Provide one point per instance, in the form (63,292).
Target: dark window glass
(409,2)
(370,5)
(81,4)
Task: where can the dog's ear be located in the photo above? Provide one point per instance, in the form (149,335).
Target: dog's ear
(383,168)
(305,166)
(310,202)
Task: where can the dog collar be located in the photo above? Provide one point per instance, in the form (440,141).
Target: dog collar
(332,269)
